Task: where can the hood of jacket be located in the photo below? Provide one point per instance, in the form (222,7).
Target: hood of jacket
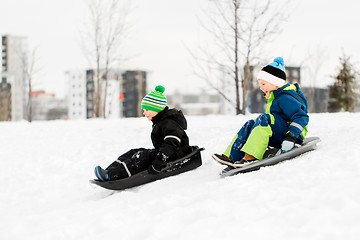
(292,90)
(173,114)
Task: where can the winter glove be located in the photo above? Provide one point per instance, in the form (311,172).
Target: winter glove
(288,143)
(158,163)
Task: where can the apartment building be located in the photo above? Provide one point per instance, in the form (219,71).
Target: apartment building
(13,79)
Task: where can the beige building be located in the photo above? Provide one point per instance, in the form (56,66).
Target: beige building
(13,63)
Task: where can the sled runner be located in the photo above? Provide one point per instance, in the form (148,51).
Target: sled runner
(184,164)
(272,157)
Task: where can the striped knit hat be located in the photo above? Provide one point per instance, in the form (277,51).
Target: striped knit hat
(155,101)
(274,72)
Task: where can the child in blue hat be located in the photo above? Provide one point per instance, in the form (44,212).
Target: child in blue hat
(283,124)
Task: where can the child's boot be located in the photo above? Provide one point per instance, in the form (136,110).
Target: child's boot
(102,174)
(222,159)
(247,160)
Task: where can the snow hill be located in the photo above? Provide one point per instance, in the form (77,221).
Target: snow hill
(45,191)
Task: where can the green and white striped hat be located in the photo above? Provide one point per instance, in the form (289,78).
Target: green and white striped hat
(155,101)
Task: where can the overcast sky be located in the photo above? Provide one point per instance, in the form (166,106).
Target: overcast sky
(162,29)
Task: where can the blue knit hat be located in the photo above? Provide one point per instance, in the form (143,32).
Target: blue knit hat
(155,101)
(274,72)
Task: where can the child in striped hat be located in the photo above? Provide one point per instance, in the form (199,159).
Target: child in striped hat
(168,137)
(283,124)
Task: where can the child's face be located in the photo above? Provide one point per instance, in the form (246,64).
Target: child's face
(267,87)
(149,114)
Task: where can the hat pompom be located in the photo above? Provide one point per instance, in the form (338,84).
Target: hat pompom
(160,88)
(279,61)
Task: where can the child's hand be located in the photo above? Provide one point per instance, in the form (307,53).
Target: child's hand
(158,163)
(288,143)
(287,146)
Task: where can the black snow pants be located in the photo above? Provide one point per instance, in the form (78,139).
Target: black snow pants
(131,162)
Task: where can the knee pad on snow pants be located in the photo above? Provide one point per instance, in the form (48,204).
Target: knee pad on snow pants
(130,163)
(263,120)
(234,150)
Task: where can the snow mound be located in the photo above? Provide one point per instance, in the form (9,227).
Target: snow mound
(45,190)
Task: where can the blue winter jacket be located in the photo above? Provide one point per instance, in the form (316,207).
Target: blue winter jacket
(289,104)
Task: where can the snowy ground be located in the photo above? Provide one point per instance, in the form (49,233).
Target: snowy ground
(45,192)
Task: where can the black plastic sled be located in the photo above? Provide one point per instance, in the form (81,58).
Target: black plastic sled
(184,164)
(271,157)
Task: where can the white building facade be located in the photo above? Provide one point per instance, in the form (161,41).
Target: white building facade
(13,64)
(113,106)
(76,89)
(78,94)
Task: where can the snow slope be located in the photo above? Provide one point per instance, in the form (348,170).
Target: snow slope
(45,192)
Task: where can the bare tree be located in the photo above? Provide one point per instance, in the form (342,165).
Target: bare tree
(313,64)
(30,67)
(239,28)
(106,29)
(30,71)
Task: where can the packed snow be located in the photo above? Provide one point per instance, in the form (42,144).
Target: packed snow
(46,194)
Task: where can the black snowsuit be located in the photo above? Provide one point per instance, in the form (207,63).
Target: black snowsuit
(170,143)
